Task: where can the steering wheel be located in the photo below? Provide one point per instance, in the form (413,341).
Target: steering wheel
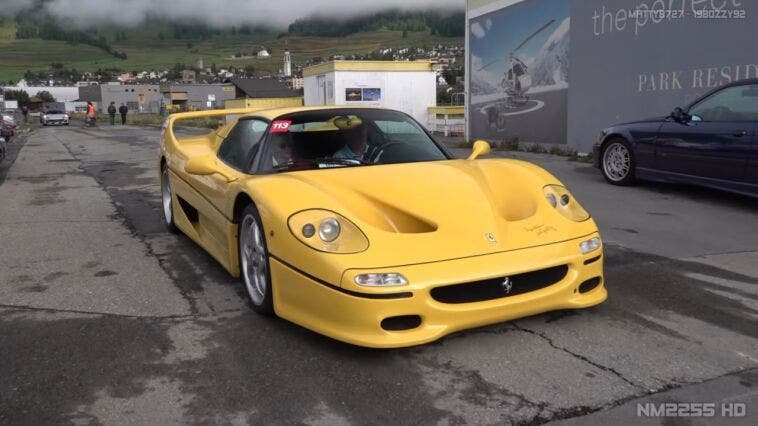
(376,154)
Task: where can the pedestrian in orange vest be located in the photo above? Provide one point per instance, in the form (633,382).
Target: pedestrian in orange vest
(91,118)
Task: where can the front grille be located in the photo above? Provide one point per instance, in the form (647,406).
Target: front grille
(497,288)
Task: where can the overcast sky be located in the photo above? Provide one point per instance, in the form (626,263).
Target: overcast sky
(217,13)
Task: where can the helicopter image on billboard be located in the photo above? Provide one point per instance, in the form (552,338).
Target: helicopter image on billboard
(516,81)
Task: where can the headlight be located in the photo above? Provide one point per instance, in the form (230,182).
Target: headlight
(381,280)
(562,200)
(327,231)
(590,245)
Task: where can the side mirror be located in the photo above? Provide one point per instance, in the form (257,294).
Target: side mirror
(679,115)
(205,165)
(480,148)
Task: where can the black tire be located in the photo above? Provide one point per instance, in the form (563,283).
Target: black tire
(261,301)
(617,162)
(167,204)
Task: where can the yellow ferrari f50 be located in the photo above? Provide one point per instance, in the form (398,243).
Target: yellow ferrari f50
(357,224)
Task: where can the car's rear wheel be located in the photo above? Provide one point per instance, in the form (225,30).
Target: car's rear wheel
(617,162)
(167,201)
(254,263)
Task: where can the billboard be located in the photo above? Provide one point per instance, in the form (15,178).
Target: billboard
(639,59)
(518,71)
(589,64)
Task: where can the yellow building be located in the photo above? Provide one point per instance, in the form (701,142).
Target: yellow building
(263,93)
(264,103)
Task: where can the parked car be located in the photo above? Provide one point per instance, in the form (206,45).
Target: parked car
(9,118)
(712,142)
(54,117)
(3,148)
(7,130)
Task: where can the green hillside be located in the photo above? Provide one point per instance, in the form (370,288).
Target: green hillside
(160,46)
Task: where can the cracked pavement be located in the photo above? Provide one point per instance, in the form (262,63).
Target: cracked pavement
(105,318)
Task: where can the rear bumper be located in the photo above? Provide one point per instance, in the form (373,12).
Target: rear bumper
(356,318)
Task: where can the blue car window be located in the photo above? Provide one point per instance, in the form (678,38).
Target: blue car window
(736,103)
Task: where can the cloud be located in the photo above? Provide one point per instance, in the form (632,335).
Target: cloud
(488,75)
(220,14)
(477,30)
(10,7)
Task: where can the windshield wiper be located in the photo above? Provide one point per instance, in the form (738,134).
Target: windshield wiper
(321,163)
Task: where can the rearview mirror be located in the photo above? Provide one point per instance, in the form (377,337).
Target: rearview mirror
(679,115)
(480,148)
(205,165)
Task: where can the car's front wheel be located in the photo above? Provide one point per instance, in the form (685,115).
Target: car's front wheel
(254,263)
(167,201)
(617,162)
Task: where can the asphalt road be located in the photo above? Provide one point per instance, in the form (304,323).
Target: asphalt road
(105,318)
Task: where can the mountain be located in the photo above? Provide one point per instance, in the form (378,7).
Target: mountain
(550,66)
(443,23)
(160,45)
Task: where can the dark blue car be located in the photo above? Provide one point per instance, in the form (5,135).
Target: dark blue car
(713,142)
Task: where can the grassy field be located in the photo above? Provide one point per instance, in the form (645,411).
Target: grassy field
(146,51)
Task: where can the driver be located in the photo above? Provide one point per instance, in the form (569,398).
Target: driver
(355,148)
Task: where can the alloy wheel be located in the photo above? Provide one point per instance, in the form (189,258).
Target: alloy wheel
(253,258)
(168,213)
(617,162)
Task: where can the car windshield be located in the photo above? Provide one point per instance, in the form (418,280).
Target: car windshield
(327,139)
(55,111)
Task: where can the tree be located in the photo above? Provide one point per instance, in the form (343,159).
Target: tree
(17,95)
(46,96)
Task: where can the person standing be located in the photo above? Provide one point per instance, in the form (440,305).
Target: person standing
(91,117)
(123,110)
(25,112)
(112,112)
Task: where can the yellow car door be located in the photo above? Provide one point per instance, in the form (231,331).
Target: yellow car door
(214,179)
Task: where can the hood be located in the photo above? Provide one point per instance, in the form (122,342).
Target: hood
(426,212)
(644,120)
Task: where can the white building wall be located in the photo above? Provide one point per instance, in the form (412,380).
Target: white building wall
(319,89)
(409,92)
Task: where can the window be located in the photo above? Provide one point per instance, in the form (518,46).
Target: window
(239,148)
(736,103)
(330,138)
(397,127)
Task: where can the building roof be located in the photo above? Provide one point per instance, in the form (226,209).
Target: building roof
(369,66)
(263,88)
